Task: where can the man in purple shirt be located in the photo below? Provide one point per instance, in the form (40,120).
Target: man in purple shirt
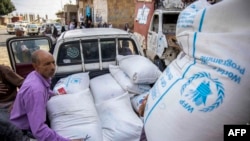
(29,109)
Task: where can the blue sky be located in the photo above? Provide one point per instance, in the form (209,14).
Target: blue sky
(41,7)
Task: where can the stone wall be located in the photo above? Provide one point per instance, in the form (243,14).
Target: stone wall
(116,12)
(121,12)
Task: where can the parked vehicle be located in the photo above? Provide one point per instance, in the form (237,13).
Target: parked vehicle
(32,29)
(162,46)
(58,26)
(157,34)
(11,28)
(43,28)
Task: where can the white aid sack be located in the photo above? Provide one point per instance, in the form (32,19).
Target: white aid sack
(105,87)
(139,69)
(207,86)
(137,101)
(126,83)
(74,116)
(119,121)
(72,83)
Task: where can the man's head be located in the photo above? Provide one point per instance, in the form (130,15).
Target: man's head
(19,32)
(44,63)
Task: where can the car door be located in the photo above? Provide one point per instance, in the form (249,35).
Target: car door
(20,50)
(153,35)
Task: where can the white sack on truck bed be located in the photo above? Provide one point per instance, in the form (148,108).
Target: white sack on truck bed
(125,82)
(208,85)
(105,87)
(139,69)
(74,116)
(72,83)
(119,121)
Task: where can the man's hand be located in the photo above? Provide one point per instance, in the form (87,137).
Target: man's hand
(142,107)
(3,89)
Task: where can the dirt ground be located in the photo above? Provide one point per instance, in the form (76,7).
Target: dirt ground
(4,57)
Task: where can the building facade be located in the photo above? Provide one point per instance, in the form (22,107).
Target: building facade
(115,12)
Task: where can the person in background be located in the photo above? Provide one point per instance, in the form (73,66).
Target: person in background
(71,26)
(110,25)
(99,25)
(126,27)
(75,23)
(81,25)
(54,36)
(89,24)
(54,31)
(47,30)
(29,109)
(23,49)
(63,29)
(124,49)
(9,84)
(105,24)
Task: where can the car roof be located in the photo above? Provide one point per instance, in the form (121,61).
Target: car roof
(87,32)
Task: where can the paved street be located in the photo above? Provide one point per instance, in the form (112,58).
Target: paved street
(4,36)
(4,58)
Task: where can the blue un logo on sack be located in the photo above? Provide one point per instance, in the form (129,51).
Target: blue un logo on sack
(199,92)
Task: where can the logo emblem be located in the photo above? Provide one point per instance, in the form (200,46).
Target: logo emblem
(207,95)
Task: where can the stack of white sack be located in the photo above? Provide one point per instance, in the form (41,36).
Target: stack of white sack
(135,74)
(207,86)
(118,119)
(74,115)
(125,82)
(139,69)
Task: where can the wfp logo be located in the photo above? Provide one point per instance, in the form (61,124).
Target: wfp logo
(199,91)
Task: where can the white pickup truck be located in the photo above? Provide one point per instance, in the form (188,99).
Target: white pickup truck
(90,51)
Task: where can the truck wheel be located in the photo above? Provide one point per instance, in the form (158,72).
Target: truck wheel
(160,64)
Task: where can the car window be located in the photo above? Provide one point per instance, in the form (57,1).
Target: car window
(169,23)
(69,53)
(23,49)
(127,47)
(108,50)
(155,24)
(90,51)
